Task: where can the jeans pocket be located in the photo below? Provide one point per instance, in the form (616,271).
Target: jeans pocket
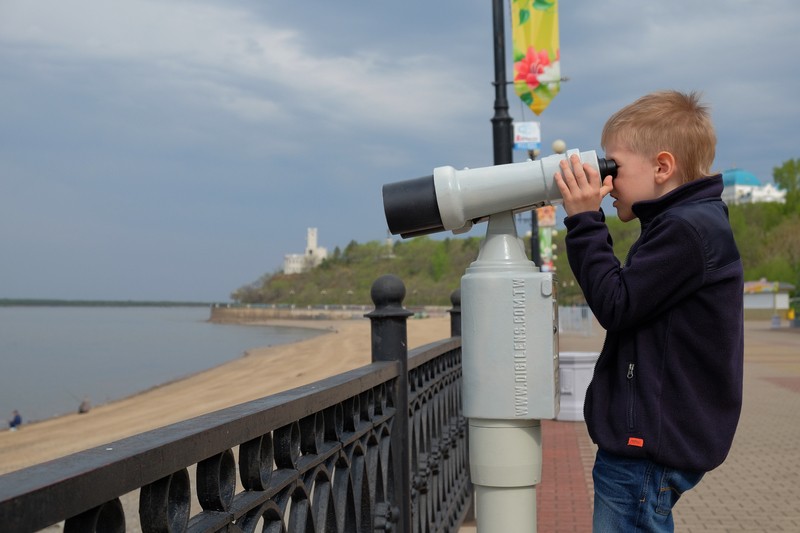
(672,486)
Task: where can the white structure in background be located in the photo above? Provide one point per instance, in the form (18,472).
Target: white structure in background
(769,295)
(314,255)
(742,187)
(388,246)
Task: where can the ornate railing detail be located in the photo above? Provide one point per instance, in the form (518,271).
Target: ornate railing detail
(441,492)
(332,456)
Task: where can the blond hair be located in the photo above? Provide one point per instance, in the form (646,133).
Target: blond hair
(666,121)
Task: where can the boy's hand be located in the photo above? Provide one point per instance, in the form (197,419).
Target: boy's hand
(583,190)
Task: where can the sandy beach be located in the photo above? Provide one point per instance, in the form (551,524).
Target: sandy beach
(261,372)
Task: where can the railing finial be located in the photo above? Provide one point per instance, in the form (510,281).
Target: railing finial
(387,294)
(389,330)
(455,313)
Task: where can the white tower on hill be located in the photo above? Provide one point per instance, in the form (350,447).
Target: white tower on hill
(313,256)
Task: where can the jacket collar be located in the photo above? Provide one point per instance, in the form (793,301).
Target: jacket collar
(700,189)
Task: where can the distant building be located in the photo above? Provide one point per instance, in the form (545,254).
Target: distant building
(314,255)
(742,187)
(764,299)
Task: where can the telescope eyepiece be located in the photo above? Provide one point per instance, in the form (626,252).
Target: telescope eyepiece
(607,167)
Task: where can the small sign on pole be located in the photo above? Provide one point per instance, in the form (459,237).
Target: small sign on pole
(527,136)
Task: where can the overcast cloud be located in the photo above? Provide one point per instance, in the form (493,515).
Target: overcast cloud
(177,150)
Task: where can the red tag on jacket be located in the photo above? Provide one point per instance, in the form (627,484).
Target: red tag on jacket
(633,441)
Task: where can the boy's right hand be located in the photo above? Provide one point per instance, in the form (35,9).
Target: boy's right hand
(582,188)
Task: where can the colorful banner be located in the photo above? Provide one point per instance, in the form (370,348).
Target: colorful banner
(537,65)
(546,249)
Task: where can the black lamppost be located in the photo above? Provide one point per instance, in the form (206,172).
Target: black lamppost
(502,130)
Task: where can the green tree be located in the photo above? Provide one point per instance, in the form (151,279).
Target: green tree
(788,174)
(439,262)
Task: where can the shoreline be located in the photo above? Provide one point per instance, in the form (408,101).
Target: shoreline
(162,375)
(259,372)
(324,326)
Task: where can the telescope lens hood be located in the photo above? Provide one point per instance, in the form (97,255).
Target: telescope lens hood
(411,208)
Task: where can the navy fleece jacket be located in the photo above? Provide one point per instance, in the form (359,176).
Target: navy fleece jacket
(668,383)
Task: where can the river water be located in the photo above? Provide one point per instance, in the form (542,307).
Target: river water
(51,358)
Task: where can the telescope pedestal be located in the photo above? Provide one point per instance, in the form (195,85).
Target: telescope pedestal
(510,376)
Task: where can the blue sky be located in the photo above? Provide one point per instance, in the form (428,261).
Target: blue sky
(178,149)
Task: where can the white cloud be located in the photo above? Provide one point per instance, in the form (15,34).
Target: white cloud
(239,63)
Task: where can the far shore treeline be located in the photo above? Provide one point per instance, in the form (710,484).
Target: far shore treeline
(768,236)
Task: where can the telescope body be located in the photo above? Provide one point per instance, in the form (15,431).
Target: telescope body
(454,200)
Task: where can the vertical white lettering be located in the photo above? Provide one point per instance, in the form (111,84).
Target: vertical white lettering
(520,353)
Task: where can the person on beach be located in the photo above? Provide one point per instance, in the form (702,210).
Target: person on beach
(666,393)
(15,422)
(85,406)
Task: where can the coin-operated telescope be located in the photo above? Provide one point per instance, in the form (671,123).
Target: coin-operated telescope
(454,200)
(509,321)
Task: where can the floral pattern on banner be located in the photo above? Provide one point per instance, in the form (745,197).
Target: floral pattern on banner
(537,57)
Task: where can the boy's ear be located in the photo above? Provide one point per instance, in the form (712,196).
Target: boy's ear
(666,168)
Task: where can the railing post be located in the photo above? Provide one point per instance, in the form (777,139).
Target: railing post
(390,343)
(455,313)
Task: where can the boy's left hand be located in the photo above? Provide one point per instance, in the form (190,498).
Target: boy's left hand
(582,189)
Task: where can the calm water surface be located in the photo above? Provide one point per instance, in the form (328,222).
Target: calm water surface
(53,357)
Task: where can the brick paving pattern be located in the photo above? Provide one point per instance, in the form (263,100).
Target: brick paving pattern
(563,503)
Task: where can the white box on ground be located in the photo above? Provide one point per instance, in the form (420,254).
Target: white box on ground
(575,372)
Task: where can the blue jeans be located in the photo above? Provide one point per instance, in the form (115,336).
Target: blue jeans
(636,494)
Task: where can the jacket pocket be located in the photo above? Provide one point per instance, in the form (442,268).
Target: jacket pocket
(631,411)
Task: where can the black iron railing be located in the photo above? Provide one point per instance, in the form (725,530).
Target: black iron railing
(379,448)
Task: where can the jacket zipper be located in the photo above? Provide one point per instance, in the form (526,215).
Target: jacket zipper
(631,396)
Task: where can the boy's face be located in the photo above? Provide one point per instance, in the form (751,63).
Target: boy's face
(635,179)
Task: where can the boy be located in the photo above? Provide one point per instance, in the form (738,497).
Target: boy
(666,393)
